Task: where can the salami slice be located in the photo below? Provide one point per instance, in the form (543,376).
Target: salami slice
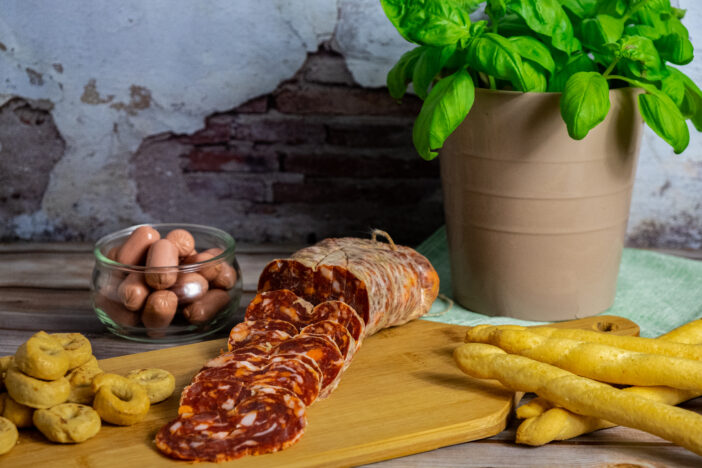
(386,285)
(337,332)
(207,395)
(268,420)
(342,313)
(268,333)
(325,353)
(242,359)
(293,374)
(280,304)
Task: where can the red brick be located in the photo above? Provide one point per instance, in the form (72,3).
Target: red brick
(217,130)
(341,100)
(370,134)
(381,191)
(401,162)
(278,129)
(219,187)
(258,105)
(326,68)
(244,158)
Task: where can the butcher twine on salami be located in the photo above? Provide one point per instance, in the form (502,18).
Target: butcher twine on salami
(310,316)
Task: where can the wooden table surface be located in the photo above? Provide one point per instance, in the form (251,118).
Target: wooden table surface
(46,286)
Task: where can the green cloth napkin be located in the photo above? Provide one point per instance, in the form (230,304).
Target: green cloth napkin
(659,292)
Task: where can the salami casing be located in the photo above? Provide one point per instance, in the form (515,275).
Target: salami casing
(387,285)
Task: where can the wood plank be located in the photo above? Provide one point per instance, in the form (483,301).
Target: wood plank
(399,374)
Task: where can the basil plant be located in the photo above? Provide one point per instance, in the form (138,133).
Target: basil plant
(581,48)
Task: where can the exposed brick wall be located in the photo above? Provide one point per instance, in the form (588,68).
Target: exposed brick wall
(318,157)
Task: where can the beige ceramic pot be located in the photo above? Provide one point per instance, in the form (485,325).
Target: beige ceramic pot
(536,220)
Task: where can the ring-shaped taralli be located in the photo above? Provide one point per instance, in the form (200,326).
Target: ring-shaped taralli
(42,356)
(18,414)
(119,400)
(81,380)
(77,346)
(5,362)
(8,435)
(67,423)
(158,383)
(36,393)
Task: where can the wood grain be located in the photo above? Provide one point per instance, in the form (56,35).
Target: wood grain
(402,395)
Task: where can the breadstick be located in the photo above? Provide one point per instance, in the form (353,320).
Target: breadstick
(597,361)
(689,333)
(582,395)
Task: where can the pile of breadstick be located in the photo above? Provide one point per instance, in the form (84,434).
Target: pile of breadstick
(570,371)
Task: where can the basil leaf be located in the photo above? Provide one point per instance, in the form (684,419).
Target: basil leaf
(663,116)
(679,13)
(429,22)
(580,8)
(494,55)
(601,30)
(653,13)
(641,58)
(400,75)
(534,77)
(673,86)
(513,25)
(691,105)
(576,63)
(535,51)
(643,30)
(429,64)
(548,18)
(443,111)
(675,46)
(584,103)
(613,7)
(495,9)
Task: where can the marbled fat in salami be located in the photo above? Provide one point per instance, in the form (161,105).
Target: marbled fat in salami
(267,420)
(386,285)
(280,304)
(260,332)
(340,312)
(324,352)
(337,332)
(293,374)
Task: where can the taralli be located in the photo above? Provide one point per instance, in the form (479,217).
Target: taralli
(36,393)
(19,415)
(8,435)
(119,400)
(67,423)
(81,380)
(42,356)
(582,395)
(158,383)
(77,346)
(5,362)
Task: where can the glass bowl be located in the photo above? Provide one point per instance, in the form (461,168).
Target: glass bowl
(159,294)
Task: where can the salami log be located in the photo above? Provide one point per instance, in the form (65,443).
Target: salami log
(386,284)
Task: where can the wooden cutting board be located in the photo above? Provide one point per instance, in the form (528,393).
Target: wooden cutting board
(401,395)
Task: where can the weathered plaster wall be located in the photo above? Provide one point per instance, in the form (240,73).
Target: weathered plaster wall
(115,99)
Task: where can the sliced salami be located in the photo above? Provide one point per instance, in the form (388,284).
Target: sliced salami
(325,353)
(268,420)
(207,395)
(340,312)
(293,374)
(386,285)
(337,332)
(280,304)
(268,333)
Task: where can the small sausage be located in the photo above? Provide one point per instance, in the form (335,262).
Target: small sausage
(113,253)
(210,272)
(226,279)
(116,311)
(163,253)
(183,240)
(159,309)
(203,310)
(190,287)
(133,291)
(135,247)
